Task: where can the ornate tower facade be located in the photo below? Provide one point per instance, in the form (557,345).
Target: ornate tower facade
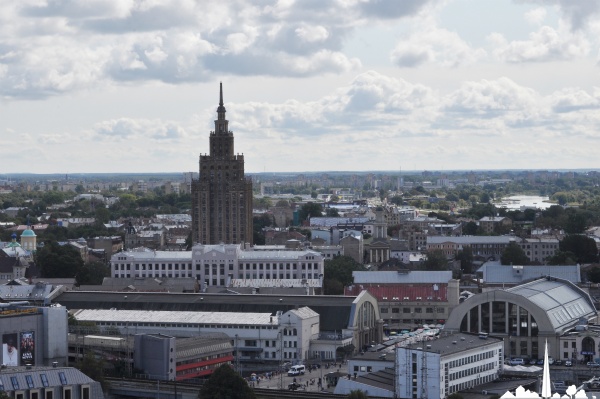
(222,196)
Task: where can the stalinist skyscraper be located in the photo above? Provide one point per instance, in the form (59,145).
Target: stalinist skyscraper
(222,196)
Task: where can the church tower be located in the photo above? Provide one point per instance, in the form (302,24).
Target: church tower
(222,196)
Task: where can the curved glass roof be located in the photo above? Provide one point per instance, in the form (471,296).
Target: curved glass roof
(563,301)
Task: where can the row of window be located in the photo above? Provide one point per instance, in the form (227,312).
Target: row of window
(472,370)
(413,310)
(188,266)
(31,384)
(183,325)
(471,359)
(247,276)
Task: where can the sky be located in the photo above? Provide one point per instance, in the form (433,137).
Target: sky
(111,86)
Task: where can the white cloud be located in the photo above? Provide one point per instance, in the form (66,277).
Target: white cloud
(177,41)
(435,46)
(126,129)
(575,99)
(312,33)
(536,16)
(546,44)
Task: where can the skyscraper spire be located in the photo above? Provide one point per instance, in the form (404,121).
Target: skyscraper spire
(221,109)
(221,93)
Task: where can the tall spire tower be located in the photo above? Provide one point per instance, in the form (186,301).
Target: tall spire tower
(222,196)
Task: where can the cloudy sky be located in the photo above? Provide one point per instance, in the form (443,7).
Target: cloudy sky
(309,85)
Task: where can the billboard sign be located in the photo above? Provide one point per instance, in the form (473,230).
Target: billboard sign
(27,348)
(10,351)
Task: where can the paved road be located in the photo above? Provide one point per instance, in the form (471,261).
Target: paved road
(312,377)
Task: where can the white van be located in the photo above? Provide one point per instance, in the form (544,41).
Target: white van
(296,370)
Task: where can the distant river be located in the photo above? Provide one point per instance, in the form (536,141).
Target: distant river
(525,201)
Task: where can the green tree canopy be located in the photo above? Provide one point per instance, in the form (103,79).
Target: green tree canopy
(310,209)
(92,273)
(58,261)
(562,258)
(436,260)
(583,247)
(593,274)
(332,212)
(513,254)
(470,229)
(225,383)
(338,274)
(92,367)
(357,394)
(465,256)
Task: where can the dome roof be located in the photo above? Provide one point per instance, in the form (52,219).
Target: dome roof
(28,233)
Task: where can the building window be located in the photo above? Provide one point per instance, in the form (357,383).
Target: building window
(85,392)
(67,393)
(29,381)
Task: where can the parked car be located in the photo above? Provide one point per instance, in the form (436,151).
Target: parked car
(533,361)
(550,361)
(540,362)
(517,361)
(568,363)
(558,363)
(593,364)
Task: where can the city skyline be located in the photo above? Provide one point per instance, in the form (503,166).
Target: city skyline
(125,86)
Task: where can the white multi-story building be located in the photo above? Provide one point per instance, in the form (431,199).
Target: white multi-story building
(224,265)
(438,368)
(283,337)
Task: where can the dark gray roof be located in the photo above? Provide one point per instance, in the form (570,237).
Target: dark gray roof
(334,310)
(381,379)
(495,273)
(72,375)
(452,343)
(394,277)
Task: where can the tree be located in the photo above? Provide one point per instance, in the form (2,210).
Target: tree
(310,209)
(583,247)
(436,260)
(562,258)
(338,274)
(332,212)
(92,273)
(357,394)
(396,200)
(513,254)
(92,367)
(465,256)
(470,229)
(225,383)
(593,274)
(258,223)
(58,261)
